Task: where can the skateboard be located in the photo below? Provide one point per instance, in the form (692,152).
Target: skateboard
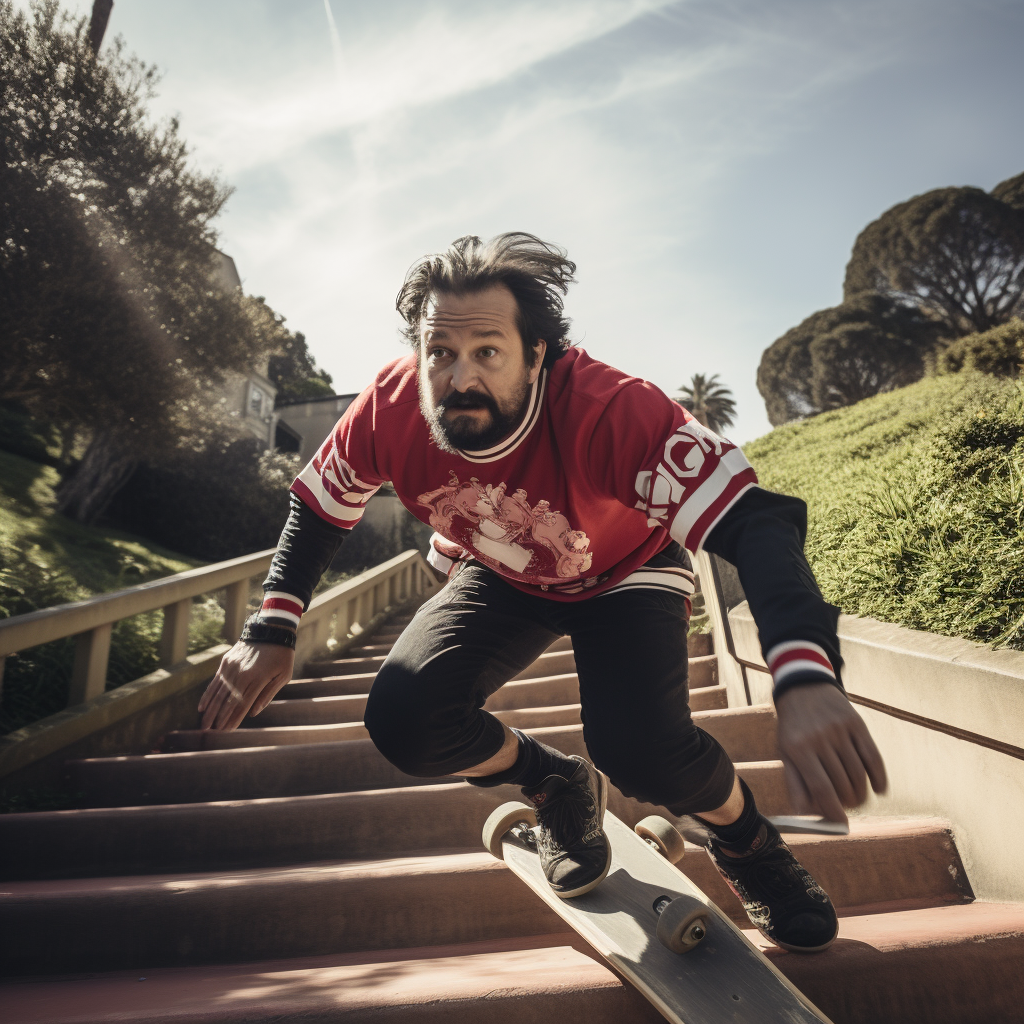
(656,928)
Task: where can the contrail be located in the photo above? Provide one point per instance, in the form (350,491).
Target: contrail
(335,38)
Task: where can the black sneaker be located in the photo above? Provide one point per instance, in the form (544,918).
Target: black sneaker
(574,851)
(784,903)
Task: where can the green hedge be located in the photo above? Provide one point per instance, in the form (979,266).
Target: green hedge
(46,559)
(999,351)
(916,504)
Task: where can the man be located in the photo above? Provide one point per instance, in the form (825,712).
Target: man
(564,495)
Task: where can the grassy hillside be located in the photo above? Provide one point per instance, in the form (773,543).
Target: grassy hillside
(46,559)
(916,504)
(84,559)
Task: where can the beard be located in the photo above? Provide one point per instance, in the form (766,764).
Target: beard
(469,433)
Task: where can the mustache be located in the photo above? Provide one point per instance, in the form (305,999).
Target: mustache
(468,400)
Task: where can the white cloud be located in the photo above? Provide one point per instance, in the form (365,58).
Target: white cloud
(392,68)
(692,156)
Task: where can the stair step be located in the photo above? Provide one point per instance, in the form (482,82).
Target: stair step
(929,966)
(208,739)
(358,683)
(525,981)
(936,965)
(549,664)
(309,711)
(98,924)
(105,924)
(558,658)
(285,830)
(709,698)
(184,740)
(700,645)
(702,671)
(545,691)
(320,708)
(344,666)
(747,734)
(541,692)
(882,859)
(370,650)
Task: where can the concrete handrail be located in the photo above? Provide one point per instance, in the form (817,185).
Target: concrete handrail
(947,715)
(48,624)
(91,621)
(346,610)
(359,601)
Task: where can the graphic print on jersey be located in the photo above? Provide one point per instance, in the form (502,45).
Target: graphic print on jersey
(700,476)
(535,544)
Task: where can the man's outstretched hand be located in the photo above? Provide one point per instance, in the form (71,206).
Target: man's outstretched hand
(827,750)
(249,677)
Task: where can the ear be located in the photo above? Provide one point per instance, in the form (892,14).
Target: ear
(538,360)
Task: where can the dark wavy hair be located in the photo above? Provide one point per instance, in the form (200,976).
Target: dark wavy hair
(537,273)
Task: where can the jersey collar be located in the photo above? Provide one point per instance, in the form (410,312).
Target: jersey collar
(519,435)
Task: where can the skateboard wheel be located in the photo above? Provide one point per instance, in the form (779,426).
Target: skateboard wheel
(661,833)
(683,924)
(501,819)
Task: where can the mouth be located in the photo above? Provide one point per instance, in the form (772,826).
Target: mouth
(461,410)
(457,404)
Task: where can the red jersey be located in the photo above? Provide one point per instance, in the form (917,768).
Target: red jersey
(602,473)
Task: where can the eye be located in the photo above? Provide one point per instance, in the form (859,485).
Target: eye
(488,352)
(436,353)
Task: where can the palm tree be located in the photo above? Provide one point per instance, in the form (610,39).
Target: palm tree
(708,401)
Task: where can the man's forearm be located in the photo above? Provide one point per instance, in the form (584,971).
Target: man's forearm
(307,546)
(763,535)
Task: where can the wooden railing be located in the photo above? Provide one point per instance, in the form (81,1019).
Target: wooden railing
(351,603)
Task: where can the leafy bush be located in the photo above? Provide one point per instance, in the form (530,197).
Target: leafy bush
(999,351)
(22,435)
(916,504)
(227,501)
(45,559)
(36,681)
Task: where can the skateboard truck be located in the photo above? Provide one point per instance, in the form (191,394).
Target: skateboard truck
(524,833)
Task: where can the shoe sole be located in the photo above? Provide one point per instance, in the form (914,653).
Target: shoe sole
(802,949)
(602,804)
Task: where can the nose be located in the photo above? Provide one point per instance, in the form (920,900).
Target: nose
(464,375)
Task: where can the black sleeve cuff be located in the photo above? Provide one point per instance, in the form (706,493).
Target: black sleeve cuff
(307,547)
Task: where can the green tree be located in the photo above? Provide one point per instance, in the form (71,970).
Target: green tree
(293,371)
(113,328)
(710,403)
(845,353)
(1011,192)
(958,253)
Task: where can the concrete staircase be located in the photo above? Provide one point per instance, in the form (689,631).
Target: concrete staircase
(287,872)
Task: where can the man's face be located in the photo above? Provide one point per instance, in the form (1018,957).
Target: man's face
(474,381)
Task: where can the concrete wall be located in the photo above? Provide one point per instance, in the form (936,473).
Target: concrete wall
(314,420)
(720,586)
(941,683)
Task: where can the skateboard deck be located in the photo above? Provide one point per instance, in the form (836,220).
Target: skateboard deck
(723,978)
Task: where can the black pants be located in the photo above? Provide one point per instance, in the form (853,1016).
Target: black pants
(425,715)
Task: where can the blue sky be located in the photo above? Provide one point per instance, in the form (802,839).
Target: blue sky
(707,164)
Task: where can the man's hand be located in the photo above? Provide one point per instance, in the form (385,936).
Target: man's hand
(249,677)
(827,750)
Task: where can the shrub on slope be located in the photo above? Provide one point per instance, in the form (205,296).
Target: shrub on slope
(916,504)
(47,559)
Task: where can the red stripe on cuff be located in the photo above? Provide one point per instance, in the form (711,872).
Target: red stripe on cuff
(801,654)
